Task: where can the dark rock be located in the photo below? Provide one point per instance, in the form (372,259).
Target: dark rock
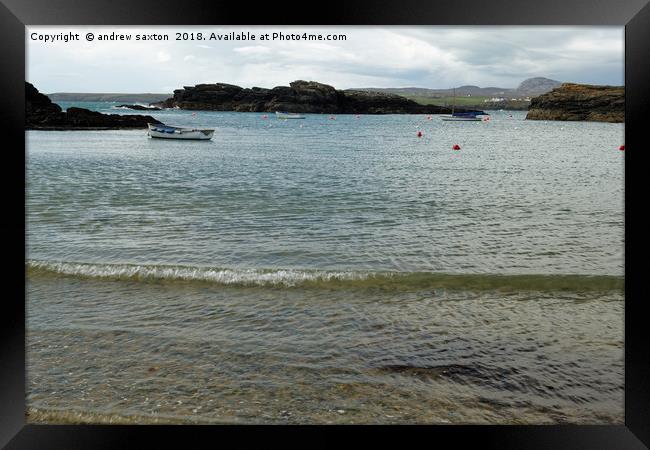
(580,102)
(84,118)
(140,107)
(299,97)
(358,102)
(39,108)
(41,113)
(35,102)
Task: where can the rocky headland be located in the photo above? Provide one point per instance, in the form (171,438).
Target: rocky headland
(583,102)
(299,97)
(42,114)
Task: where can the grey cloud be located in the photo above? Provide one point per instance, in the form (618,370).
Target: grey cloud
(435,57)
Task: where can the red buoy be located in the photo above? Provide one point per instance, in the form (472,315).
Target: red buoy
(456,147)
(419,134)
(622,147)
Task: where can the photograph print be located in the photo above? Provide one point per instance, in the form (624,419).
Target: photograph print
(325,225)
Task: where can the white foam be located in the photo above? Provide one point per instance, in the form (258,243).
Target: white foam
(284,277)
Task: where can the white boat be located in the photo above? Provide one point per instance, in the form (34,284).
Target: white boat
(159,130)
(286,115)
(459,118)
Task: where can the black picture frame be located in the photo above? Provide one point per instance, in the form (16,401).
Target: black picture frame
(16,14)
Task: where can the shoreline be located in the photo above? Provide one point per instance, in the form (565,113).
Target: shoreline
(74,417)
(38,416)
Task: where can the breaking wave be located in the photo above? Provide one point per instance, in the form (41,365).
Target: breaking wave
(327,279)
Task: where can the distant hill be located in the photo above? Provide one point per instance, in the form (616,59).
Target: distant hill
(537,86)
(527,88)
(106,97)
(461,91)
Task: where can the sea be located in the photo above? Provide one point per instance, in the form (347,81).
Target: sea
(336,269)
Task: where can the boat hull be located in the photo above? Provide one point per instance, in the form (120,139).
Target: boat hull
(167,132)
(288,116)
(461,119)
(194,135)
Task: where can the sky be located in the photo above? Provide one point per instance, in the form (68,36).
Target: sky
(415,56)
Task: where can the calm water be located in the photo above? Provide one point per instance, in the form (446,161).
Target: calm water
(328,271)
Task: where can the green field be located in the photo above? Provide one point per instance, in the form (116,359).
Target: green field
(476,102)
(448,101)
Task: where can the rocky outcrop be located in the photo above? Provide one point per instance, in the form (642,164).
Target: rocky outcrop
(38,107)
(42,114)
(580,102)
(360,102)
(139,107)
(299,97)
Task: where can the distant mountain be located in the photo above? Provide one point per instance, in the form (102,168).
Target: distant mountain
(527,88)
(537,86)
(106,97)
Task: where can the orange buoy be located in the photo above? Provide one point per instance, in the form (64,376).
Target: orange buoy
(419,134)
(622,147)
(456,147)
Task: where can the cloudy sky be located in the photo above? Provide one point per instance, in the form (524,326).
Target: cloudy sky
(432,57)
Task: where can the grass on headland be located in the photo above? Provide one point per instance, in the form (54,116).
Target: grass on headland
(470,102)
(447,101)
